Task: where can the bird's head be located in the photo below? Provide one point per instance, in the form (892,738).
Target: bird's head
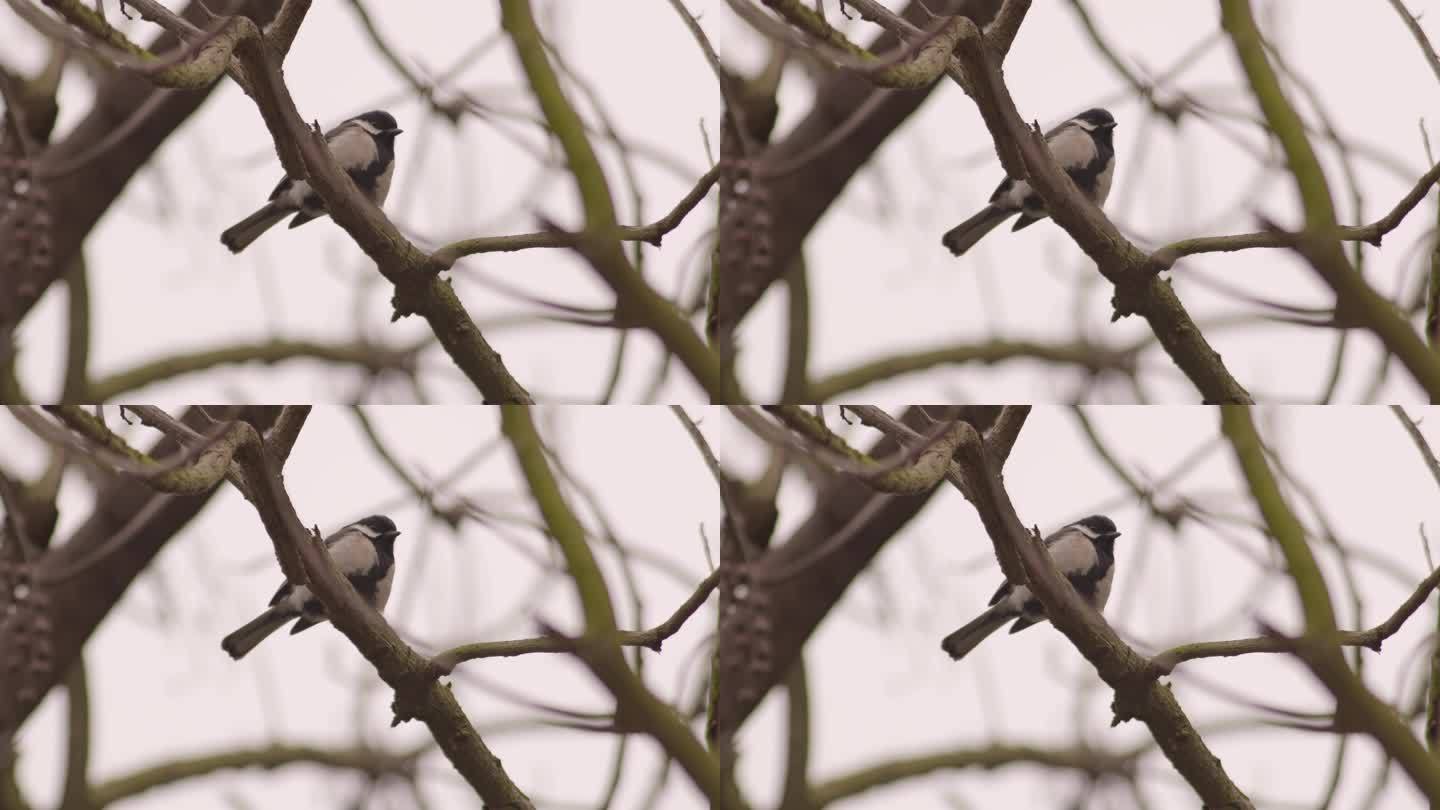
(379,123)
(1098,528)
(378,528)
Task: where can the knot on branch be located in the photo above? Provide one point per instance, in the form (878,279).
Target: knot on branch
(412,691)
(1127,703)
(1132,290)
(411,291)
(26,222)
(746,647)
(28,659)
(746,250)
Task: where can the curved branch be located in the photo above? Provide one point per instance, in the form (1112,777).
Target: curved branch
(916,469)
(1089,761)
(651,639)
(416,275)
(597,648)
(418,690)
(363,760)
(1372,638)
(1138,287)
(1138,692)
(652,233)
(1318,243)
(373,358)
(76,793)
(1372,233)
(196,469)
(1094,358)
(1318,647)
(599,243)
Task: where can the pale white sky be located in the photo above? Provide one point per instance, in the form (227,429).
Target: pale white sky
(881,282)
(881,687)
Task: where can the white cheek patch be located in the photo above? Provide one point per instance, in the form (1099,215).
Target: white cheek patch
(299,595)
(296,194)
(1018,597)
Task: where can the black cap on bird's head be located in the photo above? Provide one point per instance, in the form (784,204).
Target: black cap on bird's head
(379,123)
(377,527)
(1097,527)
(1096,119)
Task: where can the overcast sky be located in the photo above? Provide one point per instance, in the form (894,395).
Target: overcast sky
(881,687)
(881,282)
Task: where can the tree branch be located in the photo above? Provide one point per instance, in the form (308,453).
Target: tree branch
(1089,761)
(1138,692)
(652,638)
(597,648)
(370,762)
(1318,647)
(600,243)
(373,358)
(1093,358)
(416,275)
(419,694)
(652,233)
(1372,233)
(1372,638)
(1318,243)
(1138,287)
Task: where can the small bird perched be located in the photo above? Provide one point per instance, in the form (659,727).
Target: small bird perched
(364,146)
(1084,147)
(364,552)
(1084,552)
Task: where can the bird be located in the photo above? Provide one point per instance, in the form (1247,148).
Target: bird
(364,146)
(1083,551)
(364,552)
(1083,146)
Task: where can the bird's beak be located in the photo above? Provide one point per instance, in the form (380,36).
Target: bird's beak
(1111,125)
(1112,535)
(390,535)
(392,133)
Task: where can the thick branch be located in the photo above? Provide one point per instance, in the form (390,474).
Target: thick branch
(1138,693)
(600,242)
(416,276)
(1318,646)
(598,648)
(1319,242)
(80,579)
(129,120)
(1138,287)
(868,115)
(418,690)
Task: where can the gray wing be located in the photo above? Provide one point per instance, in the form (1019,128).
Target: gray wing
(1072,552)
(352,552)
(1063,539)
(352,146)
(1055,130)
(1072,147)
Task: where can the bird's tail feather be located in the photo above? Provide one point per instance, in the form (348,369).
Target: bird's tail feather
(239,236)
(962,237)
(959,643)
(244,640)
